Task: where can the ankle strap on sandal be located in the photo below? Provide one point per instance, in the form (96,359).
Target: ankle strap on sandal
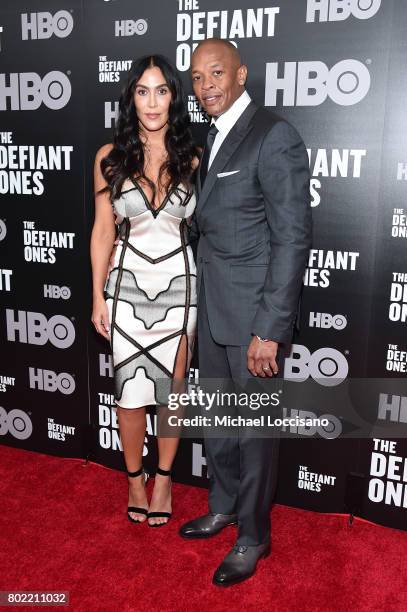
(136,473)
(163,472)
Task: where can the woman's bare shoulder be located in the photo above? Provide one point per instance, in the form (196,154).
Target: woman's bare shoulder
(103,151)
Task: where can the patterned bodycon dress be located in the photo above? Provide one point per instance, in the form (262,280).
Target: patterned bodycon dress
(151,294)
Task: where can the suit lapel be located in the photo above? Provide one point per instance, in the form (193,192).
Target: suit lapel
(198,175)
(228,147)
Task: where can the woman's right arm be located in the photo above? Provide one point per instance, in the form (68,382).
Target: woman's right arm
(101,244)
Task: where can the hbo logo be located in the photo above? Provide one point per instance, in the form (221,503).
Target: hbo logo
(47,380)
(17,422)
(310,83)
(34,328)
(55,292)
(330,431)
(326,320)
(327,366)
(105,365)
(338,10)
(27,91)
(129,27)
(44,25)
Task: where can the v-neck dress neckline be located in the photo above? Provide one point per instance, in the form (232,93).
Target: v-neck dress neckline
(154,210)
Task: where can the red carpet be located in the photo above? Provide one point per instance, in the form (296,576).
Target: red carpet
(63,526)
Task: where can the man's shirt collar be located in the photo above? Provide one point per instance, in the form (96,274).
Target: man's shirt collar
(227,120)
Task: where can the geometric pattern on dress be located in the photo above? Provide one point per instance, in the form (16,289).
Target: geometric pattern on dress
(122,286)
(147,310)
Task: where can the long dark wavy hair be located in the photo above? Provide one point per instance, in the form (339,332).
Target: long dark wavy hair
(126,158)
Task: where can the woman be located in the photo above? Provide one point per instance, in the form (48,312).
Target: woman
(147,309)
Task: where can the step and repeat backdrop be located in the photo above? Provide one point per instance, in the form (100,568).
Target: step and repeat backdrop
(336,70)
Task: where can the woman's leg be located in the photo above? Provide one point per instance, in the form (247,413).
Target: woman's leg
(132,425)
(167,446)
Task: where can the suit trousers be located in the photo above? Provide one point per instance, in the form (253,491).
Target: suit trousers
(242,469)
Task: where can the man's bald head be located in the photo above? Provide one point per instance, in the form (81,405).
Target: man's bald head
(223,46)
(218,75)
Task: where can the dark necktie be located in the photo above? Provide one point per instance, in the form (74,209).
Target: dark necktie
(207,152)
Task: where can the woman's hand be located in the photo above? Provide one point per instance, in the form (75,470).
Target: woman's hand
(100,317)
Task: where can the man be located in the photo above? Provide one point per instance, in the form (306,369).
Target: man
(254,221)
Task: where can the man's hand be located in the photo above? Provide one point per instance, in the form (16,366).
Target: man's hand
(261,357)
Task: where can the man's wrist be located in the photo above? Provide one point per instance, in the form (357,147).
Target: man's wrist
(261,339)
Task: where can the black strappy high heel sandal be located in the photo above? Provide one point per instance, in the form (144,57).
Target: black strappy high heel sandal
(136,508)
(160,514)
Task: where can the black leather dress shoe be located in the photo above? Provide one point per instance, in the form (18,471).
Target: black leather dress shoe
(207,526)
(240,563)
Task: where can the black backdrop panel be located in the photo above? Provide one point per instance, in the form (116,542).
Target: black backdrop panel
(43,320)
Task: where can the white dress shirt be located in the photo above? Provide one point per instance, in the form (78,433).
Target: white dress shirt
(226,121)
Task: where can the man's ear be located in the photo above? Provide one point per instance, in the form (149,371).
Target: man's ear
(242,75)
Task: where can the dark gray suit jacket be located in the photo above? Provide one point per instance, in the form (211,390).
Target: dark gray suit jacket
(254,230)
